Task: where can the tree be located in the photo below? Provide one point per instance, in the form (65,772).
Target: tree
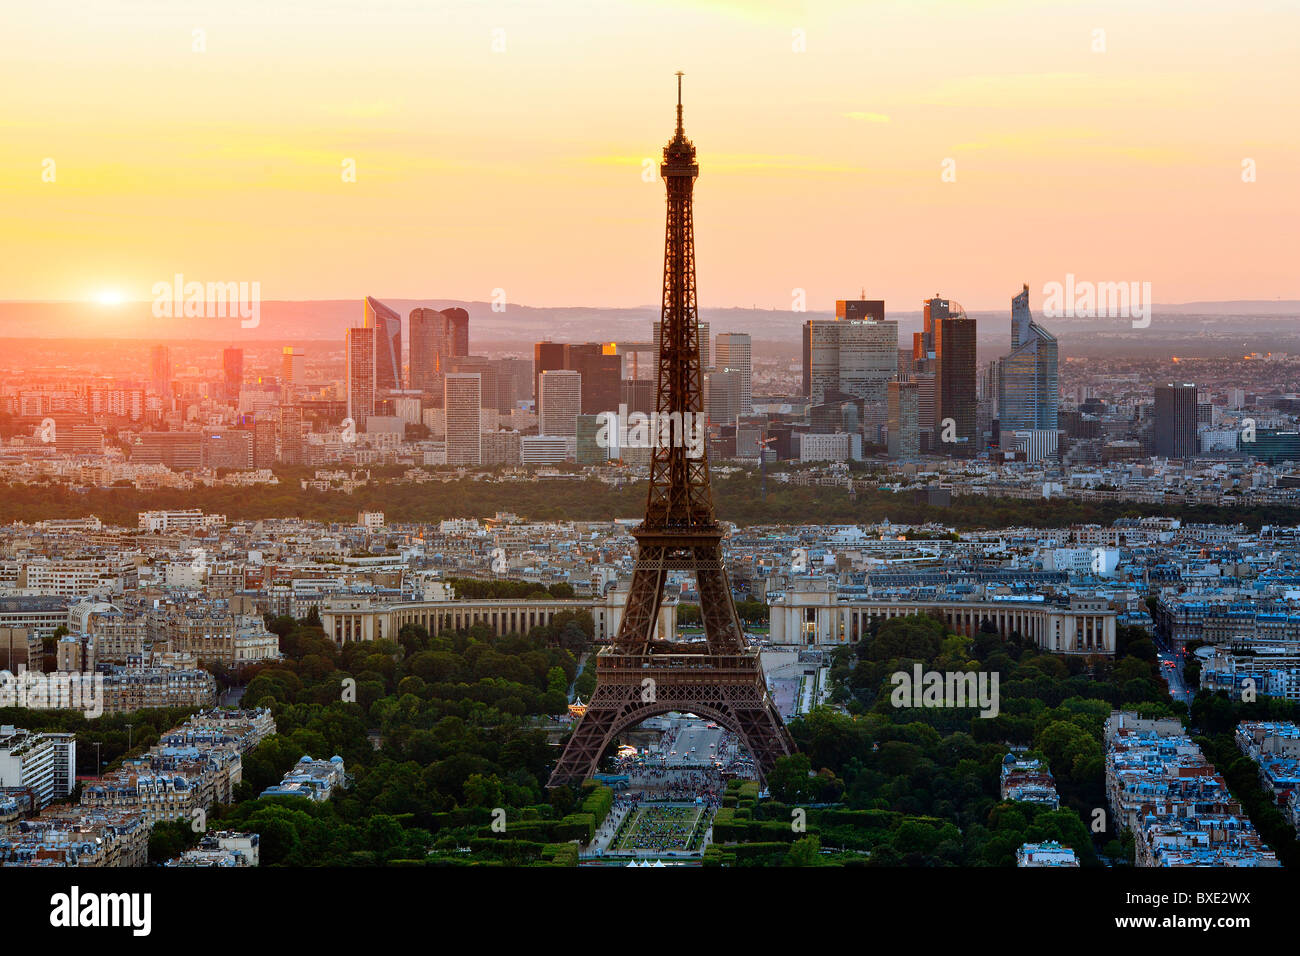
(806,851)
(789,781)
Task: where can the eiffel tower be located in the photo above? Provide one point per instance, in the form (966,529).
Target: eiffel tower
(639,676)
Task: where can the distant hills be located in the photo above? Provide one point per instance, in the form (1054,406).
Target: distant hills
(1207,328)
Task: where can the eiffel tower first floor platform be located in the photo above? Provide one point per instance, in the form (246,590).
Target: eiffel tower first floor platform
(632,687)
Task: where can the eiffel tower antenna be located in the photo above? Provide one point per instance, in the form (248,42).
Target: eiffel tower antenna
(645,673)
(680,131)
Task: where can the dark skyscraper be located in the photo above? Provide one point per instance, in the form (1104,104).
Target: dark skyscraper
(232,367)
(867,310)
(388,342)
(547,356)
(426,349)
(600,376)
(1175,420)
(954,378)
(437,337)
(600,373)
(160,370)
(455,333)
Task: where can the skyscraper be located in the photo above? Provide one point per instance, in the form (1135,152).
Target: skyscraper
(292,367)
(360,374)
(1175,420)
(388,342)
(455,333)
(904,420)
(560,402)
(463,401)
(863,310)
(546,356)
(589,448)
(291,434)
(1027,390)
(704,342)
(734,353)
(854,355)
(232,367)
(160,370)
(437,336)
(638,394)
(600,376)
(486,371)
(722,396)
(426,332)
(954,380)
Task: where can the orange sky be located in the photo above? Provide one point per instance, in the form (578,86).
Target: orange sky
(521,169)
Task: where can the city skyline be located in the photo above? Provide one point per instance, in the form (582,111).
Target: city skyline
(1005,578)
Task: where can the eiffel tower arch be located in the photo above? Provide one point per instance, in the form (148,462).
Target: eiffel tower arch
(638,676)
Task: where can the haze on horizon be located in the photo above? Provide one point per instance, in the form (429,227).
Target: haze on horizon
(521,169)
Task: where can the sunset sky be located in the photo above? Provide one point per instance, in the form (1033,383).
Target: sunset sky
(521,169)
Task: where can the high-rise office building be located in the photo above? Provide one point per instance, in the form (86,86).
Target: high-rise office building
(388,342)
(854,355)
(292,366)
(291,435)
(426,334)
(1175,420)
(954,378)
(560,402)
(589,449)
(232,368)
(722,396)
(547,356)
(904,420)
(925,408)
(734,353)
(359,350)
(860,310)
(1025,382)
(463,404)
(455,334)
(264,441)
(514,381)
(638,394)
(601,375)
(486,370)
(160,370)
(704,344)
(437,337)
(599,370)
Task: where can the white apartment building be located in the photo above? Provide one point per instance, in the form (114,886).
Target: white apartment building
(187,520)
(43,763)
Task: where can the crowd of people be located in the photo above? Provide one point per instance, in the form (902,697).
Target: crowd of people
(661,828)
(654,784)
